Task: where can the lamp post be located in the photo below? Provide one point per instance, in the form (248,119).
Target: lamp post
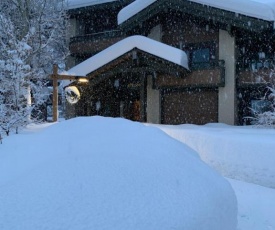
(56,77)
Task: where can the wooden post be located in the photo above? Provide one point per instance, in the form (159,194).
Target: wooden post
(55,92)
(55,77)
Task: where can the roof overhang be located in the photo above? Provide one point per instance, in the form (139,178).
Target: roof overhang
(139,62)
(78,7)
(139,11)
(133,54)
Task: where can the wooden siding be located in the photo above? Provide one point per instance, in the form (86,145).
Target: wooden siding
(182,29)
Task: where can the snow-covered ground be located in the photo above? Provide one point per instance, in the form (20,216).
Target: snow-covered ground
(256,206)
(243,153)
(102,173)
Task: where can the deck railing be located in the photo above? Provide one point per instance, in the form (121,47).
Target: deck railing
(97,36)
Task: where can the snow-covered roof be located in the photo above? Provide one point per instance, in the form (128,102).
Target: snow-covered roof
(148,45)
(262,9)
(73,4)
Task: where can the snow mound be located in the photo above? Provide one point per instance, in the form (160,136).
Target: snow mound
(109,173)
(242,153)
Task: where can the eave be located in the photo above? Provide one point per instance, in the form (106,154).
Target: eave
(104,6)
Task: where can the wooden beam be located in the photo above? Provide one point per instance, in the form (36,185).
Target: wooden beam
(65,77)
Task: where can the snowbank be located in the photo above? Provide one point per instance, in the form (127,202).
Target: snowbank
(102,173)
(242,153)
(262,9)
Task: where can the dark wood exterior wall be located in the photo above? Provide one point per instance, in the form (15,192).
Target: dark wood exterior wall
(185,29)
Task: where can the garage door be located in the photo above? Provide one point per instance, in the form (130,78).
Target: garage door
(199,106)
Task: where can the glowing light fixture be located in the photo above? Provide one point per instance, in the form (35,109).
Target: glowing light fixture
(72,94)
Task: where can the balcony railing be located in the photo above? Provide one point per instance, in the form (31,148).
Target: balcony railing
(207,74)
(93,43)
(257,73)
(207,65)
(97,36)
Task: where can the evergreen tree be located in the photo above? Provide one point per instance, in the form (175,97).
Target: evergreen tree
(32,38)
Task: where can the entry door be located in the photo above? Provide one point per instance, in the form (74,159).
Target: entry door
(131,110)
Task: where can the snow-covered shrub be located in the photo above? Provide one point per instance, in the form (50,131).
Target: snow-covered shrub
(266,119)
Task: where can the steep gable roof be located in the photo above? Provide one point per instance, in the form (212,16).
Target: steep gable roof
(261,9)
(145,44)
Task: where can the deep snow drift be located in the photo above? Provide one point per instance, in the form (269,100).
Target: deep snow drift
(104,173)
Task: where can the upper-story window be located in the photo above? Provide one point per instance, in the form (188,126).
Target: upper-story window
(201,54)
